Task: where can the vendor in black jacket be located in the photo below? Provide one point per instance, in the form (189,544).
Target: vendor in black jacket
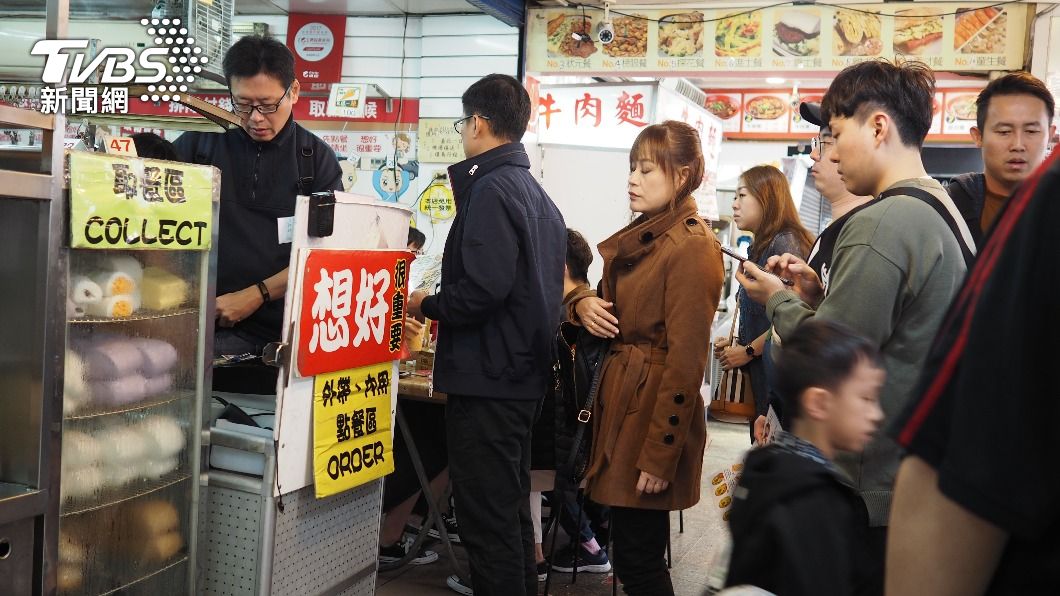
(796,519)
(264,166)
(498,308)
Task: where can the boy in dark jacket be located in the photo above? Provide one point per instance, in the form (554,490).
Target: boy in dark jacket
(795,516)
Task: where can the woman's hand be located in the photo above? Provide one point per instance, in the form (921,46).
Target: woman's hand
(720,344)
(734,356)
(651,484)
(593,314)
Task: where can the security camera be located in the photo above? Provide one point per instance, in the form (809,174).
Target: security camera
(605,32)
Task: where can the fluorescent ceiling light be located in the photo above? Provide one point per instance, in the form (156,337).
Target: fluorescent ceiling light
(774,80)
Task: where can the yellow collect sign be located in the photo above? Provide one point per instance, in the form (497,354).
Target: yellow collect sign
(120,202)
(352,435)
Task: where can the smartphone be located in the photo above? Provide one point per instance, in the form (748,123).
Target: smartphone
(732,253)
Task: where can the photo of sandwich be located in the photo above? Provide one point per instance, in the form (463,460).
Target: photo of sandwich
(631,38)
(797,33)
(561,41)
(739,35)
(722,106)
(917,31)
(681,35)
(856,33)
(962,107)
(765,107)
(981,31)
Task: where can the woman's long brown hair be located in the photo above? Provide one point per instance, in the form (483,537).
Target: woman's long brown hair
(770,187)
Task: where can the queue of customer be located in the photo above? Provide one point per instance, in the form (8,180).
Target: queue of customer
(856,327)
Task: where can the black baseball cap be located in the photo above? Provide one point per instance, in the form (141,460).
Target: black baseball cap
(811,112)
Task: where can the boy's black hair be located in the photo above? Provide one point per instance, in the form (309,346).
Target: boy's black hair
(256,54)
(416,238)
(1014,83)
(504,101)
(819,354)
(579,256)
(152,146)
(905,91)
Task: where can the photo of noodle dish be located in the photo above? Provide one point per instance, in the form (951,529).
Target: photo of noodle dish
(765,107)
(681,35)
(739,35)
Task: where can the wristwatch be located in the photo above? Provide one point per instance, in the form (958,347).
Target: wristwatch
(750,351)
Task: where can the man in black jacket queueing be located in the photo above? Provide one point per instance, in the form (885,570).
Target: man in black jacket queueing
(264,165)
(1014,123)
(498,308)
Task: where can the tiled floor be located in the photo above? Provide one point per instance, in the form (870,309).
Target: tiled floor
(693,551)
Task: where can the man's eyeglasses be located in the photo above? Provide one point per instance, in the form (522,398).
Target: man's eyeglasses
(458,126)
(246,109)
(819,144)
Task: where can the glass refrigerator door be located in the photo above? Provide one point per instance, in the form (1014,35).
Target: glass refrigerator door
(136,369)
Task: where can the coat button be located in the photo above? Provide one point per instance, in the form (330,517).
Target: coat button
(674,420)
(691,222)
(668,439)
(629,265)
(647,237)
(679,398)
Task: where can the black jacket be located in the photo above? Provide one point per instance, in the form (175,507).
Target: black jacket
(259,183)
(502,280)
(795,524)
(968,192)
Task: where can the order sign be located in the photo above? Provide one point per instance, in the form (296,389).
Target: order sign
(352,310)
(353,441)
(124,202)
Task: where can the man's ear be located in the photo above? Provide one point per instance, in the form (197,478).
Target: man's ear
(816,402)
(295,88)
(883,128)
(977,136)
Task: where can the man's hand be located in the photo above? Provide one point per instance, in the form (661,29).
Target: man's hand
(734,357)
(758,284)
(416,303)
(807,284)
(760,430)
(237,306)
(593,314)
(651,484)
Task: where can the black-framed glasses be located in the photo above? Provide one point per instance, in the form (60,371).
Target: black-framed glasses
(819,144)
(246,109)
(458,126)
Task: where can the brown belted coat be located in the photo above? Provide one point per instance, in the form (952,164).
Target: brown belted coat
(664,275)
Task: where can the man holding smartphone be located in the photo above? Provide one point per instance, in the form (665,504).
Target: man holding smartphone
(896,263)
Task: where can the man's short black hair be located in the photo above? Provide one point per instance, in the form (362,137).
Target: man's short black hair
(819,353)
(504,101)
(255,54)
(579,257)
(904,90)
(416,238)
(152,146)
(1014,83)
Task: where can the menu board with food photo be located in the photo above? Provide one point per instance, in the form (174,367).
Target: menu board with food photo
(856,33)
(727,107)
(739,36)
(936,114)
(797,32)
(797,123)
(680,36)
(981,31)
(631,40)
(570,36)
(765,112)
(918,32)
(959,116)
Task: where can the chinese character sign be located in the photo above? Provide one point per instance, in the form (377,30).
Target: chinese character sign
(599,115)
(352,427)
(352,309)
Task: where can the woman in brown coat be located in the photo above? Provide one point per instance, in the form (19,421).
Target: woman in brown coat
(661,285)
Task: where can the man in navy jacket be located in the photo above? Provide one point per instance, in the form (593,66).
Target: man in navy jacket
(498,310)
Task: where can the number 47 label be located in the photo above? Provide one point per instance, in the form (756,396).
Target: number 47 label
(119,146)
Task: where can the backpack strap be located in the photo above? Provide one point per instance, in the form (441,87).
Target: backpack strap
(306,164)
(944,213)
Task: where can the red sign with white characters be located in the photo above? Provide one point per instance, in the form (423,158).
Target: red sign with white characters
(316,42)
(353,309)
(307,109)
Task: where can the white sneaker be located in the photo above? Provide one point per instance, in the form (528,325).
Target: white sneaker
(457,586)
